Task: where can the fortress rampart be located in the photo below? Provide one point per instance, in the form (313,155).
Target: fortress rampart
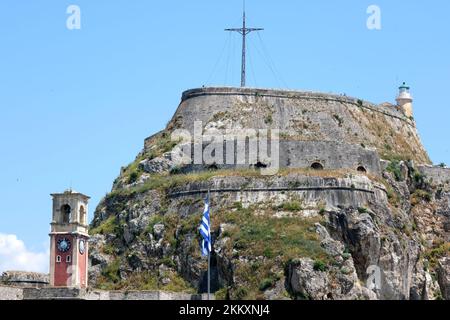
(16,293)
(388,110)
(303,116)
(436,175)
(291,154)
(356,191)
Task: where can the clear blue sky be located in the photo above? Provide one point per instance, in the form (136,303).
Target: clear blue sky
(76,105)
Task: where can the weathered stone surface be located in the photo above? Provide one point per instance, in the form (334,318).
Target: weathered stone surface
(307,282)
(443,273)
(356,191)
(436,174)
(385,217)
(11,293)
(292,154)
(157,165)
(80,294)
(303,116)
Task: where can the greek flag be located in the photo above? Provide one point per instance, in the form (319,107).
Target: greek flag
(205,231)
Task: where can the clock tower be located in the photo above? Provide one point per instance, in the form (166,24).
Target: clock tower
(69,240)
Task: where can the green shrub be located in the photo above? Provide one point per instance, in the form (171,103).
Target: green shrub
(434,254)
(268,253)
(388,147)
(109,249)
(109,226)
(292,206)
(167,261)
(238,205)
(395,168)
(221,294)
(420,195)
(111,272)
(240,293)
(320,265)
(362,210)
(419,179)
(346,255)
(177,284)
(175,170)
(133,177)
(266,284)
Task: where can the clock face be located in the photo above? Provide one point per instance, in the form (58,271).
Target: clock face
(63,245)
(82,246)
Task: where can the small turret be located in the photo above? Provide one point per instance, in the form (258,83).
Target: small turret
(405,100)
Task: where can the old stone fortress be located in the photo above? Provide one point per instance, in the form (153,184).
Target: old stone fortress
(317,132)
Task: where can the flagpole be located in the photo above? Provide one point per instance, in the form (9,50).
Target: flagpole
(209,252)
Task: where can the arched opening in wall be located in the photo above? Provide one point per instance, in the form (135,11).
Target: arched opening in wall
(82,215)
(65,213)
(260,165)
(212,167)
(362,169)
(317,166)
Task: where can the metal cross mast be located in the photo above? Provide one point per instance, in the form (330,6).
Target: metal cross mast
(244,31)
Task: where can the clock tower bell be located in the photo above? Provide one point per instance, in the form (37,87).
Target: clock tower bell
(69,240)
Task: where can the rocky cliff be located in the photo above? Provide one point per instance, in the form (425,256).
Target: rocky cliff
(373,223)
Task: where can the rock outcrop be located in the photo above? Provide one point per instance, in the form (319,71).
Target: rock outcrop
(356,229)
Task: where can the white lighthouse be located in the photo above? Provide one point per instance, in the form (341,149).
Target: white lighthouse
(405,100)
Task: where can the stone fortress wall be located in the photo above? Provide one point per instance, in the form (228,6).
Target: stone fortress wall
(313,192)
(18,293)
(82,294)
(436,174)
(336,131)
(292,154)
(20,285)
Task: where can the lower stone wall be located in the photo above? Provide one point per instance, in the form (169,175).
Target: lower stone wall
(11,293)
(81,294)
(52,293)
(153,295)
(24,279)
(436,175)
(356,191)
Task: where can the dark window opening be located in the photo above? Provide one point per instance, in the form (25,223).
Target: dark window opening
(260,165)
(65,213)
(362,169)
(213,167)
(317,166)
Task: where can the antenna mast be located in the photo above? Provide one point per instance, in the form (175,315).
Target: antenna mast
(244,31)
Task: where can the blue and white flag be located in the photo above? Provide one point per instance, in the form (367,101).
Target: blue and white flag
(205,230)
